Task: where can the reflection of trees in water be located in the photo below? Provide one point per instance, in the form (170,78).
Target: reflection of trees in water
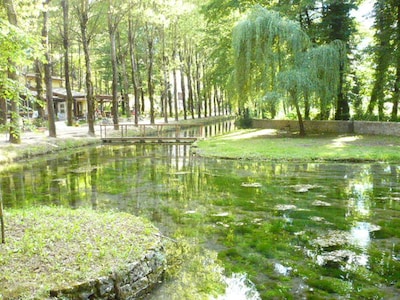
(192,273)
(220,204)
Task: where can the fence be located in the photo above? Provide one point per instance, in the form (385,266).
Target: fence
(151,133)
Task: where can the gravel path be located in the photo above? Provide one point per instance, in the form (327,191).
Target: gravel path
(62,130)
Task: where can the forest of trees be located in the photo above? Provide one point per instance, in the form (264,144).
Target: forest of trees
(194,58)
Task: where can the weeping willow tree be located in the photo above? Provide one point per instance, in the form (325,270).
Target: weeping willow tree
(274,55)
(323,64)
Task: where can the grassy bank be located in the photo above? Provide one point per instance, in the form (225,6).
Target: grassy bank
(42,146)
(50,248)
(266,144)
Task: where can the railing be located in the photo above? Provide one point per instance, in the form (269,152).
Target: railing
(128,132)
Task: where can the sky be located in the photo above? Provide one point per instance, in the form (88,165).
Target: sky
(364,17)
(364,13)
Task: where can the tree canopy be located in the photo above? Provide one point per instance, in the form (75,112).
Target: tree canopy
(189,58)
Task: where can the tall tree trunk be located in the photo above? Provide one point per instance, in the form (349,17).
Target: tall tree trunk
(170,100)
(293,95)
(342,106)
(84,18)
(3,109)
(215,100)
(174,74)
(47,73)
(39,89)
(176,112)
(150,49)
(70,100)
(307,107)
(189,84)
(124,75)
(165,79)
(183,85)
(15,134)
(134,69)
(205,90)
(112,35)
(198,87)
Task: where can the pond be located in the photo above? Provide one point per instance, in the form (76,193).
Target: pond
(294,230)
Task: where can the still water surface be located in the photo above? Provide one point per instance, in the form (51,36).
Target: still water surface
(295,230)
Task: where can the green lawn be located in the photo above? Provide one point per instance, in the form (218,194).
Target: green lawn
(266,144)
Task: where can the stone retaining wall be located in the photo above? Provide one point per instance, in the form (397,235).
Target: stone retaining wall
(135,282)
(340,127)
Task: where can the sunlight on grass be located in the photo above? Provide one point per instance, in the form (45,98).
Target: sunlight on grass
(268,144)
(341,141)
(240,135)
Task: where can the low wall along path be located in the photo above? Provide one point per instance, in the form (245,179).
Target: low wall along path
(340,127)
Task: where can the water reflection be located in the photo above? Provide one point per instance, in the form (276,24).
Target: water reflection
(323,222)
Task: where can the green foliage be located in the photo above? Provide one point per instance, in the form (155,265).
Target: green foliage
(386,59)
(274,55)
(18,46)
(261,42)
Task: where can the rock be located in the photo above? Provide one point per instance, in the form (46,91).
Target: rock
(251,184)
(303,188)
(282,270)
(222,214)
(284,207)
(321,203)
(335,257)
(333,238)
(317,219)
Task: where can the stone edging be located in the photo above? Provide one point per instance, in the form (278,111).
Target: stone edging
(134,282)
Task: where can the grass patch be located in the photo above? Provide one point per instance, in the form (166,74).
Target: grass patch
(50,248)
(45,146)
(266,144)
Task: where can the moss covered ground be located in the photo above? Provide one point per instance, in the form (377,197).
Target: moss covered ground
(53,247)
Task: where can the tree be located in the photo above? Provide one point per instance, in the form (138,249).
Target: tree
(114,16)
(18,49)
(135,76)
(122,54)
(15,136)
(336,24)
(220,16)
(47,72)
(66,45)
(274,54)
(383,55)
(83,14)
(396,89)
